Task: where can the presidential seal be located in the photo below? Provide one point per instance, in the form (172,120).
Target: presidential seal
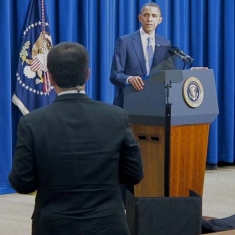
(193,92)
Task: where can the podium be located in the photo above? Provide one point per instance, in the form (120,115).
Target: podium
(173,145)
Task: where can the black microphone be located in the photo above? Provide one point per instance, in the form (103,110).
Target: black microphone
(185,55)
(176,51)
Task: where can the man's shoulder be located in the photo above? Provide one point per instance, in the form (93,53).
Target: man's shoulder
(108,106)
(37,113)
(130,35)
(162,40)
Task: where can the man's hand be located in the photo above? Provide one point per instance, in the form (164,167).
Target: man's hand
(136,82)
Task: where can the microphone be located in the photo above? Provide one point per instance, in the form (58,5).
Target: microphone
(176,51)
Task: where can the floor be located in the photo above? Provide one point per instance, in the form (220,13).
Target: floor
(219,192)
(218,201)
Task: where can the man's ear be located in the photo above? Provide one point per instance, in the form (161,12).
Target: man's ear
(51,80)
(160,20)
(88,74)
(57,89)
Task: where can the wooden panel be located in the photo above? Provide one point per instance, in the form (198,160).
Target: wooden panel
(151,140)
(188,159)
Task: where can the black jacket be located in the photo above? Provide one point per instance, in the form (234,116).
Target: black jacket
(75,152)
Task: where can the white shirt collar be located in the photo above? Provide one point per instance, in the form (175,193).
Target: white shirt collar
(145,35)
(72,92)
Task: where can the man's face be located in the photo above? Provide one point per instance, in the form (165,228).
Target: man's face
(150,18)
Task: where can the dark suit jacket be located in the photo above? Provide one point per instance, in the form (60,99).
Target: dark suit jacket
(75,152)
(128,60)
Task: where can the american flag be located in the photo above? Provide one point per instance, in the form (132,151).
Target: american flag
(36,65)
(33,88)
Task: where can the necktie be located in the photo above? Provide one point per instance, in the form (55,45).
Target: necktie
(150,53)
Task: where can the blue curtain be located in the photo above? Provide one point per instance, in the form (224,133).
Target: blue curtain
(202,28)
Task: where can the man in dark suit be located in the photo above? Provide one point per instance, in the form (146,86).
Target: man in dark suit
(130,60)
(75,153)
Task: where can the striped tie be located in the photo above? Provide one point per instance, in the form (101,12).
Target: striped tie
(150,53)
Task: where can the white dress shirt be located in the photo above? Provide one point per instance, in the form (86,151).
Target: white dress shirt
(144,39)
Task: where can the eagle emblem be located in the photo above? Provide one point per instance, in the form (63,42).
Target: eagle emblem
(193,92)
(35,67)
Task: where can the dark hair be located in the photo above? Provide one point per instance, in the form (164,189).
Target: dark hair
(67,63)
(151,4)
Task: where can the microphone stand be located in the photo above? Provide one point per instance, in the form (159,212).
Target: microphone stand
(184,57)
(167,141)
(187,61)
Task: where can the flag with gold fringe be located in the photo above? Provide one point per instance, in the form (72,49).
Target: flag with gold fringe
(33,88)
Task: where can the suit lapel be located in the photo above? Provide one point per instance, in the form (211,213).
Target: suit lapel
(137,44)
(155,57)
(159,53)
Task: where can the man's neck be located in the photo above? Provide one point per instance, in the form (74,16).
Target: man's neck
(61,89)
(149,33)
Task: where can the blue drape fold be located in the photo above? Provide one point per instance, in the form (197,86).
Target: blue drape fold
(203,29)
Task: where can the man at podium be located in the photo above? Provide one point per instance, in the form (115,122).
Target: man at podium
(137,53)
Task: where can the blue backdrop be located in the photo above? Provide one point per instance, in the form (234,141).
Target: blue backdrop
(202,28)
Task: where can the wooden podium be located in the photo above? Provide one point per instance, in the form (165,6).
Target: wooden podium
(175,155)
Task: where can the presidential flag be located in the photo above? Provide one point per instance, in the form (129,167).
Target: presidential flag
(33,87)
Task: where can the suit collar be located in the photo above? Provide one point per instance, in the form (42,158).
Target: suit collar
(71,97)
(159,54)
(137,44)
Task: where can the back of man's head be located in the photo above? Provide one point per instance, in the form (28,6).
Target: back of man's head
(68,64)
